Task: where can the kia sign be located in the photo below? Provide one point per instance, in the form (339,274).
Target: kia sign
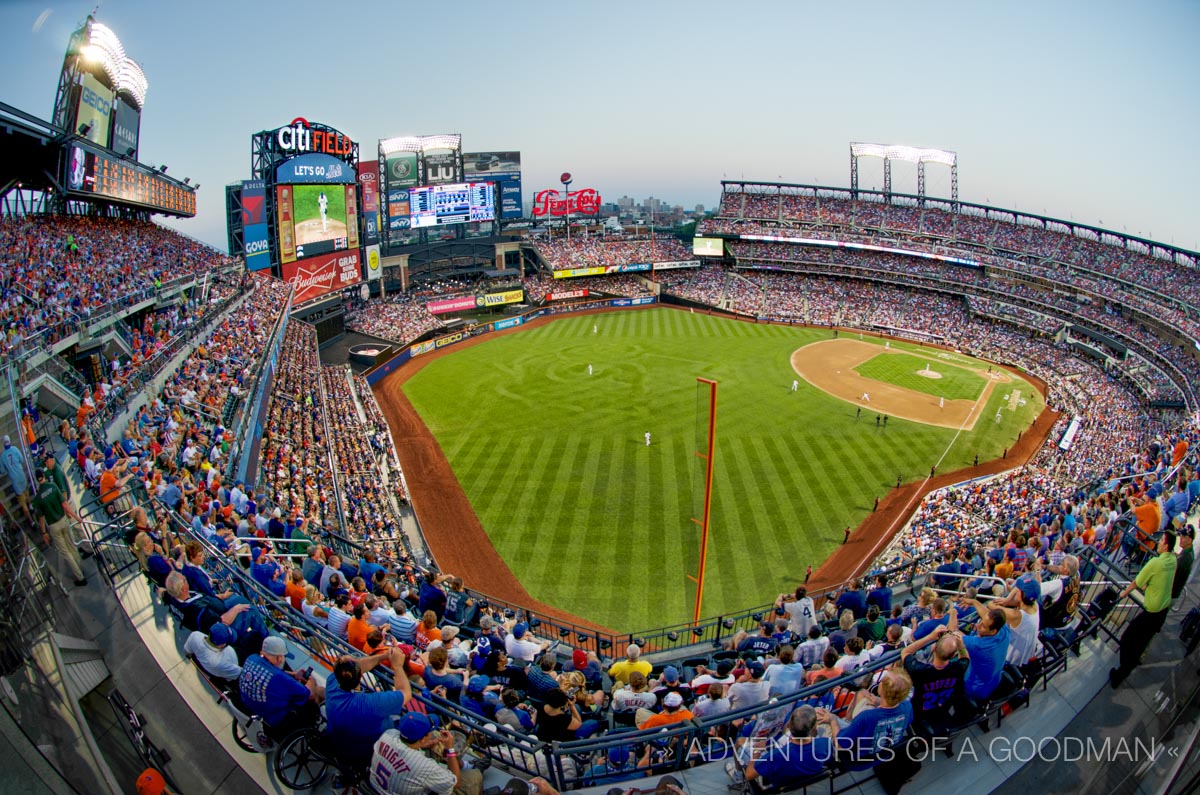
(318,276)
(550,202)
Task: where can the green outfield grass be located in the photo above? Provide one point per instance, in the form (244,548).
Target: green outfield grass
(591,519)
(901,369)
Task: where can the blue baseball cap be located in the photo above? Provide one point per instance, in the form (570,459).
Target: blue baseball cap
(671,673)
(414,726)
(1031,589)
(477,683)
(519,629)
(221,635)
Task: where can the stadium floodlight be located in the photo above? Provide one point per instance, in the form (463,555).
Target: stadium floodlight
(124,74)
(420,143)
(911,154)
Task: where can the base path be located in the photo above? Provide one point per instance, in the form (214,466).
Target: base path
(829,366)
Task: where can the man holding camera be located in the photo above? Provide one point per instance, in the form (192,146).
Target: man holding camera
(405,761)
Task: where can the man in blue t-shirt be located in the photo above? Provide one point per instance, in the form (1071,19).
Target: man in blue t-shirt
(881,596)
(882,725)
(986,650)
(803,756)
(355,719)
(852,599)
(286,701)
(938,618)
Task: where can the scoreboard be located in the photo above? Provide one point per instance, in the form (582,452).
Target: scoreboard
(125,181)
(459,203)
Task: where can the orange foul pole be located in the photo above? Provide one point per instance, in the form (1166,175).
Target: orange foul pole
(708,483)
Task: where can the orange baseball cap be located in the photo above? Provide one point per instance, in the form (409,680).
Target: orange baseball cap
(151,782)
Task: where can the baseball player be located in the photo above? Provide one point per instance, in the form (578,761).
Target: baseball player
(795,385)
(647,438)
(323,203)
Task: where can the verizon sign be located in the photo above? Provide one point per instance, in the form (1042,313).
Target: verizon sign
(318,276)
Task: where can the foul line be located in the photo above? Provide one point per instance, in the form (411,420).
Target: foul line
(919,493)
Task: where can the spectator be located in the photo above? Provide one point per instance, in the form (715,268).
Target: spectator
(620,670)
(1155,581)
(805,754)
(882,724)
(214,654)
(521,646)
(355,718)
(405,759)
(53,510)
(852,599)
(285,701)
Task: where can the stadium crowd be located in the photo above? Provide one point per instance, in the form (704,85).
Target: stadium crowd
(593,252)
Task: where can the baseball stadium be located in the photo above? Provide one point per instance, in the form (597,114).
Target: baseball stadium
(421,486)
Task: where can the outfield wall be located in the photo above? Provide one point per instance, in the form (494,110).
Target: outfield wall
(381,371)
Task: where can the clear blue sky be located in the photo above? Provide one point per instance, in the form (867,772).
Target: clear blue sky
(1088,110)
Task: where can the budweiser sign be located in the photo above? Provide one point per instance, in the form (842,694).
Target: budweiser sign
(318,276)
(551,202)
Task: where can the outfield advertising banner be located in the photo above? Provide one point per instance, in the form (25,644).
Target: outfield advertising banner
(368,178)
(633,301)
(285,224)
(95,105)
(511,322)
(441,169)
(687,263)
(601,270)
(402,170)
(374,264)
(318,276)
(506,297)
(450,339)
(254,225)
(451,305)
(126,120)
(562,296)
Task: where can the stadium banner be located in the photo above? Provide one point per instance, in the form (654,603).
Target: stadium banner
(368,178)
(708,246)
(254,225)
(422,347)
(633,301)
(352,215)
(687,263)
(451,305)
(402,170)
(484,164)
(508,194)
(286,224)
(600,270)
(314,169)
(318,276)
(374,265)
(126,121)
(95,105)
(450,339)
(506,297)
(577,202)
(511,322)
(399,210)
(583,293)
(441,169)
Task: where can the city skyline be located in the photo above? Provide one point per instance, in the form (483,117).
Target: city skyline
(1057,110)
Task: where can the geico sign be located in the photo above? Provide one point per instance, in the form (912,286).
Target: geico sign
(299,137)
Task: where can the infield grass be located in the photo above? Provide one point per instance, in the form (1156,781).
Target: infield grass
(589,518)
(956,383)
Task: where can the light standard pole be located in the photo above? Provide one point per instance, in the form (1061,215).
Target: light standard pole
(565,179)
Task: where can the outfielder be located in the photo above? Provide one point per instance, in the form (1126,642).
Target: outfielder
(795,385)
(647,438)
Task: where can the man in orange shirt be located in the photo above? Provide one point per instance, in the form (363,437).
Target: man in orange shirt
(359,628)
(294,589)
(1149,517)
(673,712)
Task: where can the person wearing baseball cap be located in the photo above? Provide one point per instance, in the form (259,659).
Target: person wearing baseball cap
(1184,560)
(287,701)
(405,760)
(214,652)
(521,646)
(151,782)
(673,711)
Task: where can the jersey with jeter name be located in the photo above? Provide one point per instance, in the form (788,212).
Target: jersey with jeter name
(399,770)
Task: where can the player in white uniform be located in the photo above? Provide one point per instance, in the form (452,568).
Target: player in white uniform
(941,403)
(865,397)
(323,203)
(589,369)
(647,438)
(795,385)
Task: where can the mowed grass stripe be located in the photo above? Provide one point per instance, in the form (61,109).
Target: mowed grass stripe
(590,519)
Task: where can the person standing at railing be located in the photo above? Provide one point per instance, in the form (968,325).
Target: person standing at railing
(13,463)
(1154,580)
(53,509)
(1184,561)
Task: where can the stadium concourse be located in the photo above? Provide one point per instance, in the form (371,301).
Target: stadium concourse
(312,560)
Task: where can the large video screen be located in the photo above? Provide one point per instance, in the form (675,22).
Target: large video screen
(315,219)
(437,205)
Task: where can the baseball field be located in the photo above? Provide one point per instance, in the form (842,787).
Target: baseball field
(590,519)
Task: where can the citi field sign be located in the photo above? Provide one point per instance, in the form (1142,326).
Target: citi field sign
(301,138)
